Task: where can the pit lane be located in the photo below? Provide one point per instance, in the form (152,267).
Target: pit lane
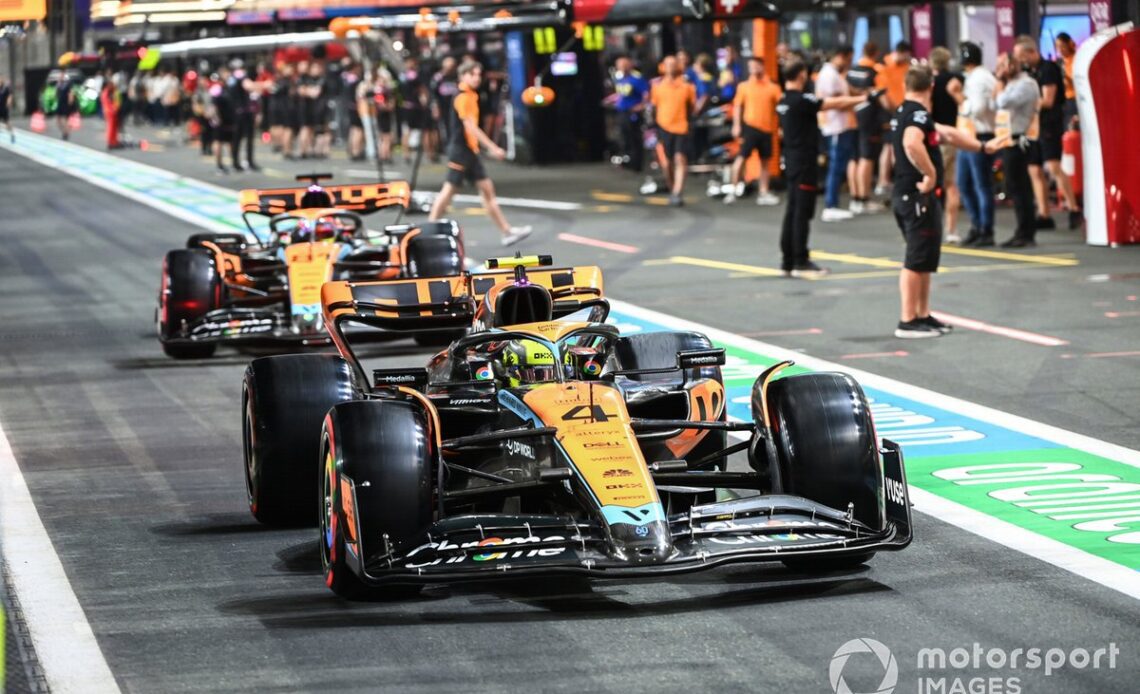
(133,461)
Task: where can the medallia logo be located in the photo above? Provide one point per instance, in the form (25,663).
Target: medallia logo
(855,647)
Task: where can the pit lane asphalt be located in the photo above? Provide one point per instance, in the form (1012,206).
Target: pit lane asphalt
(133,461)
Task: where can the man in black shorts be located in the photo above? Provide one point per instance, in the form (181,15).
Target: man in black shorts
(6,108)
(463,161)
(871,119)
(918,172)
(797,111)
(1046,151)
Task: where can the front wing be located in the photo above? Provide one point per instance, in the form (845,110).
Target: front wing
(752,529)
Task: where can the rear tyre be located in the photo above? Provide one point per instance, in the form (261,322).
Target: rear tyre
(827,451)
(284,401)
(191,288)
(434,256)
(386,444)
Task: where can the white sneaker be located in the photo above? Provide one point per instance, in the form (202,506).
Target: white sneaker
(516,234)
(882,191)
(856,207)
(954,239)
(729,198)
(767,200)
(739,191)
(834,214)
(873,207)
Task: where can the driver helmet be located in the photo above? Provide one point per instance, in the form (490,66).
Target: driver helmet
(324,230)
(528,361)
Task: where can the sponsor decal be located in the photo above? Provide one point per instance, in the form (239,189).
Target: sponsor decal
(641,515)
(396,378)
(602,444)
(520,449)
(617,472)
(505,548)
(641,531)
(896,492)
(625,485)
(484,373)
(772,523)
(469,401)
(591,368)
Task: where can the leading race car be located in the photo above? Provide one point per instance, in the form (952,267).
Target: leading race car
(546,442)
(265,286)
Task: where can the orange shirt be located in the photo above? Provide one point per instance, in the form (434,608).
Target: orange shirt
(466,106)
(759,97)
(894,79)
(672,99)
(1067,66)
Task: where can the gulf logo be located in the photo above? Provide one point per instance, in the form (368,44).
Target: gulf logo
(591,368)
(484,373)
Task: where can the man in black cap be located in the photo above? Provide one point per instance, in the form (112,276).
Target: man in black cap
(916,197)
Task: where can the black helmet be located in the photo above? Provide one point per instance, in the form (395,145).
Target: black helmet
(969,53)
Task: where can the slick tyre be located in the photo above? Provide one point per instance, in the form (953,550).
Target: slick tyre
(284,400)
(191,288)
(434,256)
(376,489)
(827,451)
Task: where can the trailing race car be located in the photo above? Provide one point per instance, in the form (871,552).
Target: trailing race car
(266,285)
(546,442)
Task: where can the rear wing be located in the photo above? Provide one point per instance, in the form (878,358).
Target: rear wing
(361,198)
(448,302)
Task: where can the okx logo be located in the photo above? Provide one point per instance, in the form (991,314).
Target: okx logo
(856,647)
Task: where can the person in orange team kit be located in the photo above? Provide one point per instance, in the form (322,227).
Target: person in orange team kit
(463,161)
(673,98)
(753,122)
(892,77)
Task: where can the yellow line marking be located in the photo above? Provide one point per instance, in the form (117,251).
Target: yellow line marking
(473,210)
(717,265)
(1020,257)
(275,173)
(611,197)
(603,208)
(855,259)
(657,201)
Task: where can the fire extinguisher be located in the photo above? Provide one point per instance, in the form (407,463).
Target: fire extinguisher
(1071,160)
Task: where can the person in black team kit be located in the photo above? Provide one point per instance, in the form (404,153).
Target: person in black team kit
(797,111)
(915,138)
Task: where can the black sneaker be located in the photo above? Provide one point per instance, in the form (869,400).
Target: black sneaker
(936,324)
(984,241)
(1046,223)
(1076,220)
(916,330)
(809,271)
(972,237)
(1018,242)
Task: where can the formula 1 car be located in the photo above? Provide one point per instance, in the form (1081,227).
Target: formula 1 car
(229,288)
(546,442)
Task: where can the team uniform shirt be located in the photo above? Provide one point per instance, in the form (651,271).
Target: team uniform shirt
(759,99)
(894,77)
(798,112)
(907,176)
(1052,118)
(631,89)
(871,121)
(672,100)
(463,161)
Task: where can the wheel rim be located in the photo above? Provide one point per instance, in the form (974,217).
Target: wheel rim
(328,509)
(248,439)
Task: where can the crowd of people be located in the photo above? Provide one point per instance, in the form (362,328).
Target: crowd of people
(932,129)
(302,107)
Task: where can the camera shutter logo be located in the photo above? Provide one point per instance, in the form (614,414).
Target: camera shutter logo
(853,647)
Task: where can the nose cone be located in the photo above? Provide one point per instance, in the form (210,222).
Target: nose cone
(650,543)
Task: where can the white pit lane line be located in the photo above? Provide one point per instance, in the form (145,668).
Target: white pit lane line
(60,632)
(80,655)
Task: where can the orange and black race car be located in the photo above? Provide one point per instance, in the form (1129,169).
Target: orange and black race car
(546,442)
(265,285)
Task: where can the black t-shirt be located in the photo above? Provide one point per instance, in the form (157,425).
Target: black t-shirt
(1047,73)
(913,114)
(945,108)
(871,118)
(5,92)
(797,111)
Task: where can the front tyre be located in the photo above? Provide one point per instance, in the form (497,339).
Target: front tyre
(376,489)
(191,288)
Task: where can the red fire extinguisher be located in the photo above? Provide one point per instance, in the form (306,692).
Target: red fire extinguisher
(1071,161)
